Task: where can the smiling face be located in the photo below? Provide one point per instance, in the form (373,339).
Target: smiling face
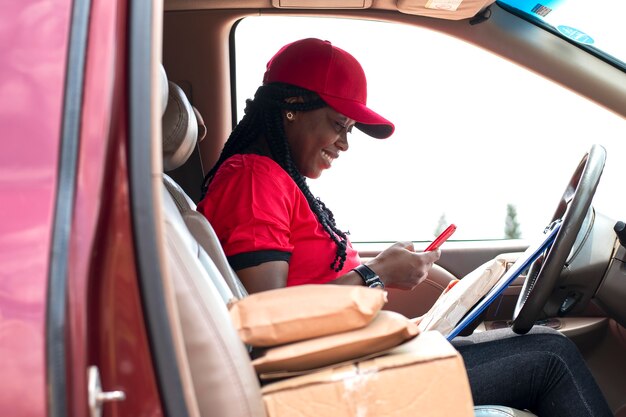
(315,139)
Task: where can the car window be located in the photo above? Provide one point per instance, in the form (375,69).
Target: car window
(596,29)
(479,141)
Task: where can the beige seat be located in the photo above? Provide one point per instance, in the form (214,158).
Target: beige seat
(224,382)
(215,367)
(182,129)
(222,377)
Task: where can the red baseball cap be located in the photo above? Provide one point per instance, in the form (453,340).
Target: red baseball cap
(332,73)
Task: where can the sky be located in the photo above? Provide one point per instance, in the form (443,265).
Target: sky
(473,133)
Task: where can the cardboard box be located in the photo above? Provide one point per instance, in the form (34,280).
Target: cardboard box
(424,377)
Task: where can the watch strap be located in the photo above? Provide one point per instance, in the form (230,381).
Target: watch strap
(370,278)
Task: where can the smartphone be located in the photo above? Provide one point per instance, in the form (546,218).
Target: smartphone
(441,238)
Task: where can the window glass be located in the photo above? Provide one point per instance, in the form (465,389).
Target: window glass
(478,139)
(595,28)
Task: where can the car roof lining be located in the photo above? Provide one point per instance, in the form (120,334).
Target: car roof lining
(429,8)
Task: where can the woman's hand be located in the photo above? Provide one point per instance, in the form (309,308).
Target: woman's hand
(399,266)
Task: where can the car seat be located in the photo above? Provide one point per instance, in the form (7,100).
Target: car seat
(183,127)
(224,382)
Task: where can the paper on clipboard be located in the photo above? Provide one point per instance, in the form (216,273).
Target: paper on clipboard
(522,263)
(452,305)
(457,308)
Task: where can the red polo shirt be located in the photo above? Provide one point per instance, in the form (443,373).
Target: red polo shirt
(260,215)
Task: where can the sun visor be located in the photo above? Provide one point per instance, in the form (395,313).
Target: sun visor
(443,9)
(321,4)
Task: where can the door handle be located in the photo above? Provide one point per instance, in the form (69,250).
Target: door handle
(97,397)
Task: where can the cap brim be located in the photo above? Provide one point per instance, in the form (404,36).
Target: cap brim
(367,120)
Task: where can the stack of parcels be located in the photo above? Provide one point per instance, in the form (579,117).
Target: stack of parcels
(331,350)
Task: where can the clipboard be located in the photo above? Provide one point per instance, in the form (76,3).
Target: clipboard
(523,262)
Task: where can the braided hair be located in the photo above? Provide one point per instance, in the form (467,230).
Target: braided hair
(263,119)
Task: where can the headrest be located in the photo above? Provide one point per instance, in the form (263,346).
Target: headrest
(180,129)
(164,88)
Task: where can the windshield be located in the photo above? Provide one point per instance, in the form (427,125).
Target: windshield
(596,26)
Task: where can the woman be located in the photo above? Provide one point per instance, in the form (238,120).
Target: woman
(276,233)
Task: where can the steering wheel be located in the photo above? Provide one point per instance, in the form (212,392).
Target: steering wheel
(573,206)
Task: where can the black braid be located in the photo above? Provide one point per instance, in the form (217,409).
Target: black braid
(263,118)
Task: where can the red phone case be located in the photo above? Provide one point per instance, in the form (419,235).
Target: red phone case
(441,238)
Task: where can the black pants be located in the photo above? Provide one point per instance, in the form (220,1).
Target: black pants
(542,372)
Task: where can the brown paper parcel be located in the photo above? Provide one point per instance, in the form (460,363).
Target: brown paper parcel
(452,306)
(423,377)
(302,312)
(387,330)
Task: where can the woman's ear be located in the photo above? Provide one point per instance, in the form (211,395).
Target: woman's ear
(292,100)
(290,115)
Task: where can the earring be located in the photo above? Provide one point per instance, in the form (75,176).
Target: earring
(290,116)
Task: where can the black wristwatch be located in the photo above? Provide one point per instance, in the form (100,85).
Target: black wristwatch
(370,278)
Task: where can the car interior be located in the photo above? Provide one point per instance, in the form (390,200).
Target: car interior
(191,87)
